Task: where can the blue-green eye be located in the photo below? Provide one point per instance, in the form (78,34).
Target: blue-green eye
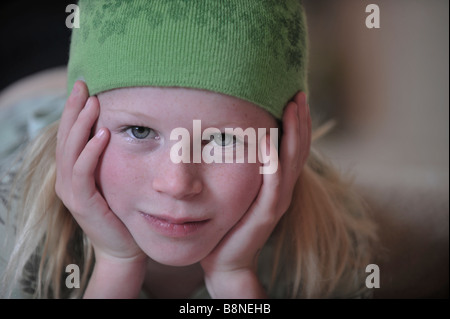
(223,139)
(140,132)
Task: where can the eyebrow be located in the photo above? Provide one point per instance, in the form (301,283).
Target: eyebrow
(211,123)
(133,113)
(226,124)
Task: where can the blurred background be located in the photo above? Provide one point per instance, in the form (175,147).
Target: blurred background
(387,90)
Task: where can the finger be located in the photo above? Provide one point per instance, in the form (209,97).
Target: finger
(255,227)
(80,132)
(305,127)
(269,192)
(83,181)
(73,107)
(259,222)
(290,151)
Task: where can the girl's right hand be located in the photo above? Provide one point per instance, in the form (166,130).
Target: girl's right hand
(77,158)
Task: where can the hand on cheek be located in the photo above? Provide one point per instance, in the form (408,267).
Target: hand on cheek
(77,158)
(230,269)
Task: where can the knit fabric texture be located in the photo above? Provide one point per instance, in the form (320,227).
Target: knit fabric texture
(255,50)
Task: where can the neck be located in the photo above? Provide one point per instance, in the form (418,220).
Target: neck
(165,282)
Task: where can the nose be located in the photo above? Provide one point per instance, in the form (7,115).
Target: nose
(178,180)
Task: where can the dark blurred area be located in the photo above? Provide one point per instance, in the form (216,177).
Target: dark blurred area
(33,37)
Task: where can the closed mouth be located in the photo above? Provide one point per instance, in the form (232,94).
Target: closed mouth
(174,227)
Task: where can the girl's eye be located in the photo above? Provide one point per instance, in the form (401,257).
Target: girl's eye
(140,132)
(223,139)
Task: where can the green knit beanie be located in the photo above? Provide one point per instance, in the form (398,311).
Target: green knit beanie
(255,50)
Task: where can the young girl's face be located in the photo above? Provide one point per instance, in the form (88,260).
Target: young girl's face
(177,213)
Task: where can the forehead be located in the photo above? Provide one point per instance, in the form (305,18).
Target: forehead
(172,103)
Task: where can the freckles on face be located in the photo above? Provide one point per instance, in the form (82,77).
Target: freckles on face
(138,177)
(234,188)
(228,190)
(119,178)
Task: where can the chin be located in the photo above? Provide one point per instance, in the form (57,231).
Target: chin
(175,262)
(176,259)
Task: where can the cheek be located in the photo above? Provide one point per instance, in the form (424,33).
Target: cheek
(235,188)
(117,179)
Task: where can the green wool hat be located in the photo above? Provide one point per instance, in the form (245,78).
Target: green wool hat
(255,50)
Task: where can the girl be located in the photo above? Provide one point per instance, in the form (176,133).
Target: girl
(100,189)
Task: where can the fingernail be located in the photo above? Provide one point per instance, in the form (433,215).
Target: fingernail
(76,88)
(89,102)
(100,133)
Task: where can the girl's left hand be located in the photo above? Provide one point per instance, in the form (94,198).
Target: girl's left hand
(230,269)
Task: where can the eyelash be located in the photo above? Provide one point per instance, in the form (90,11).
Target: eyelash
(141,140)
(223,135)
(136,139)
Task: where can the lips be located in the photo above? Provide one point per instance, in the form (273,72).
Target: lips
(174,227)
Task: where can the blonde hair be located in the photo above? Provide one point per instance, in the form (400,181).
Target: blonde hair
(325,240)
(47,236)
(321,245)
